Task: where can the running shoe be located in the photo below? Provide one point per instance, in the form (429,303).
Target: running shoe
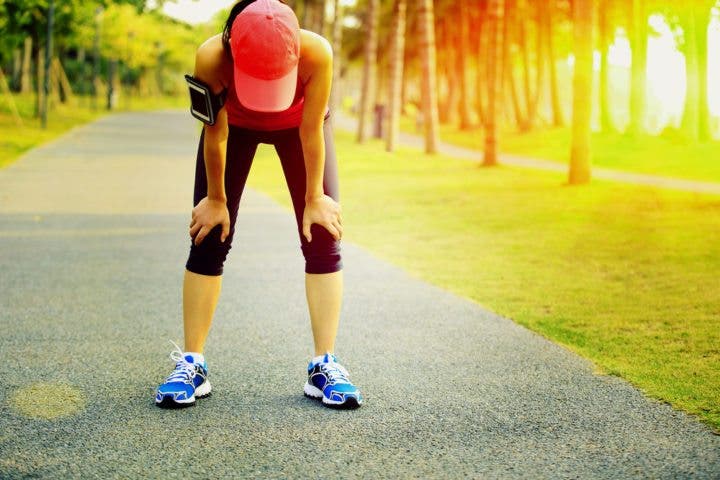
(328,381)
(186,383)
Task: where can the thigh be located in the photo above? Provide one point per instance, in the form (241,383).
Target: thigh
(241,147)
(289,149)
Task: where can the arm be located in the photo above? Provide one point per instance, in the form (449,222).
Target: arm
(319,208)
(212,210)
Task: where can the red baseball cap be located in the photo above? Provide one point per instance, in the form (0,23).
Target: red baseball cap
(265,44)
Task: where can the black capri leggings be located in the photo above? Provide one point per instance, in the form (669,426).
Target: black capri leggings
(322,255)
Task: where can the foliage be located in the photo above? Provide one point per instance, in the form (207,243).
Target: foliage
(138,38)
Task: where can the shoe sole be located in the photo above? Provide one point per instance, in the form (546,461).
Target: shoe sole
(315,393)
(203,391)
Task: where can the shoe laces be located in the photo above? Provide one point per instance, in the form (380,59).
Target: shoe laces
(335,372)
(184,370)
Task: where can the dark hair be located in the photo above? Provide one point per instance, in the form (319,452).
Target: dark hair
(234,12)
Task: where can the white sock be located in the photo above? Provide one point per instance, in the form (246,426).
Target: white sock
(196,357)
(319,358)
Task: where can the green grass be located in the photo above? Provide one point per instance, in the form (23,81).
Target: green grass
(667,155)
(16,140)
(625,276)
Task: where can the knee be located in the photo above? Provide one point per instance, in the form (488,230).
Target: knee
(209,257)
(323,254)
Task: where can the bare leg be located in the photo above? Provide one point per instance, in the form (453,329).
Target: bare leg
(324,296)
(200,297)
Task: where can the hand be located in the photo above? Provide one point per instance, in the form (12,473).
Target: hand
(205,216)
(325,212)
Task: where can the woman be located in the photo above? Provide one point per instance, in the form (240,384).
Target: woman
(276,79)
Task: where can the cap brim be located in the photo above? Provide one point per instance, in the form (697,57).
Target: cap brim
(265,95)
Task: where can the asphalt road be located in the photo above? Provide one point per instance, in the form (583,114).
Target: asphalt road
(92,248)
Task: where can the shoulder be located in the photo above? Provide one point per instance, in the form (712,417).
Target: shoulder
(315,48)
(211,62)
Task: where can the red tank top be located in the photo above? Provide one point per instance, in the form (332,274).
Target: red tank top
(240,116)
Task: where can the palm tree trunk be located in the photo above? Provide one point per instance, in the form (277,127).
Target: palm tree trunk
(496,14)
(696,117)
(582,91)
(397,63)
(337,31)
(26,77)
(540,62)
(558,117)
(429,77)
(465,121)
(481,77)
(367,93)
(701,42)
(638,44)
(604,30)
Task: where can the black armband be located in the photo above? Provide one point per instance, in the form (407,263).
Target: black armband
(204,105)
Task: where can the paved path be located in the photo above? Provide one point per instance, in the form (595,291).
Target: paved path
(92,245)
(349,123)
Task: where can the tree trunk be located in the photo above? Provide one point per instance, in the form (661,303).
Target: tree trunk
(449,45)
(337,31)
(582,91)
(481,77)
(367,93)
(508,64)
(429,75)
(696,117)
(540,62)
(701,41)
(638,44)
(397,63)
(558,117)
(26,76)
(496,14)
(605,38)
(17,68)
(525,52)
(461,63)
(40,87)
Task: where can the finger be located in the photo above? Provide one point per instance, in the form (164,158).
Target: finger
(339,229)
(333,231)
(306,231)
(195,229)
(201,236)
(225,231)
(192,222)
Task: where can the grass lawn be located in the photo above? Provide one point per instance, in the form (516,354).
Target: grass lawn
(625,276)
(668,155)
(16,140)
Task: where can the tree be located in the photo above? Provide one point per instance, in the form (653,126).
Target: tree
(462,62)
(396,73)
(638,45)
(367,93)
(496,13)
(695,19)
(582,91)
(429,75)
(606,34)
(548,15)
(337,30)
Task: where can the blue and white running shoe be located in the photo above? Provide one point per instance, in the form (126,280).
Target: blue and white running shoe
(328,381)
(186,383)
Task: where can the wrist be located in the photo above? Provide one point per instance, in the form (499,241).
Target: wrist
(310,197)
(217,198)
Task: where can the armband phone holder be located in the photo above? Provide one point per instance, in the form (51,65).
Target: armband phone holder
(204,105)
